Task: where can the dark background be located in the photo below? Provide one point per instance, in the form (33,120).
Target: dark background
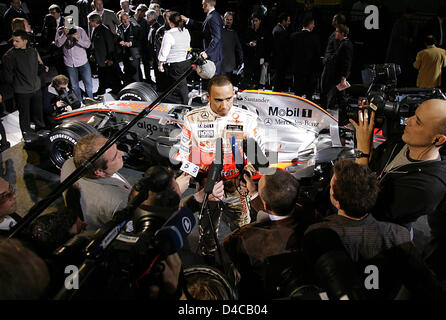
(370,45)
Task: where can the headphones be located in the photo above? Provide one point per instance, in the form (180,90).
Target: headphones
(435,141)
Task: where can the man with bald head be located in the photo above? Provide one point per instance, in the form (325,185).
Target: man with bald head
(410,169)
(102,190)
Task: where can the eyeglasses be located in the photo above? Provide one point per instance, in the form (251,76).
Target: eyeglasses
(8,194)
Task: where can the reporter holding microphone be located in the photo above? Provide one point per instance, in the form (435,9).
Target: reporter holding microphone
(173,57)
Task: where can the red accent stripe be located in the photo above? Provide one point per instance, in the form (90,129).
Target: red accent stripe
(117,111)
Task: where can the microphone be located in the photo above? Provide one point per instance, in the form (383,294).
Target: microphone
(216,167)
(206,70)
(238,158)
(170,237)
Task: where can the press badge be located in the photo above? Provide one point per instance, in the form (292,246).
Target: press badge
(190,168)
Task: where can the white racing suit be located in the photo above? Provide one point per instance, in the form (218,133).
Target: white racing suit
(201,129)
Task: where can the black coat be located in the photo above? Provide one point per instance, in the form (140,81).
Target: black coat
(340,65)
(133,35)
(306,49)
(232,50)
(281,47)
(103,44)
(211,29)
(410,191)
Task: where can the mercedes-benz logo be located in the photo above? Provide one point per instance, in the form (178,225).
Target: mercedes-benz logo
(205,115)
(268,122)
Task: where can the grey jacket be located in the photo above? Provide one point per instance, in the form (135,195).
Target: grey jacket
(99,198)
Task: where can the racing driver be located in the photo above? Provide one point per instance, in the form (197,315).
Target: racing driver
(202,127)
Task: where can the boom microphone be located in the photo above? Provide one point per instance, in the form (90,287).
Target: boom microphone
(170,237)
(206,69)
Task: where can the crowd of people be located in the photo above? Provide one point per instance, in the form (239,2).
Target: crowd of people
(279,246)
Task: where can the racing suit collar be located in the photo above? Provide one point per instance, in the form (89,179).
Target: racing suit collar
(216,114)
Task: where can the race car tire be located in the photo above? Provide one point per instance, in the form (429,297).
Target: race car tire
(64,137)
(138,91)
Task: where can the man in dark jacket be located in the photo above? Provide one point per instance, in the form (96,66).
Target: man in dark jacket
(337,70)
(410,170)
(211,29)
(250,246)
(21,68)
(353,192)
(281,52)
(305,54)
(256,52)
(104,54)
(232,49)
(130,42)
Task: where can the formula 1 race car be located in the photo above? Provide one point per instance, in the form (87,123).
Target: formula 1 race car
(298,132)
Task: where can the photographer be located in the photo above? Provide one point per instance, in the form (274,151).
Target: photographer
(74,42)
(410,170)
(58,98)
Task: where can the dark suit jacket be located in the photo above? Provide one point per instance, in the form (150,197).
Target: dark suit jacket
(109,19)
(281,48)
(211,29)
(305,52)
(103,44)
(340,64)
(232,50)
(249,246)
(134,35)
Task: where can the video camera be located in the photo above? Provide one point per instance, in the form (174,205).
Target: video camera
(70,25)
(392,105)
(121,259)
(68,98)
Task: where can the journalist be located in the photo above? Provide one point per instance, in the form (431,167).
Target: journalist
(410,169)
(58,98)
(74,42)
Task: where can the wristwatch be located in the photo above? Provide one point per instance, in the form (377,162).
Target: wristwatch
(360,154)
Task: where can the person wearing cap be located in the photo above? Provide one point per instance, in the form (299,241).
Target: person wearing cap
(202,128)
(172,57)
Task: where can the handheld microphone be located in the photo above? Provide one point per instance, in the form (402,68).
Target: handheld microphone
(236,153)
(170,237)
(216,167)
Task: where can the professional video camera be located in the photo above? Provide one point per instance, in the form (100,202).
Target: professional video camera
(392,105)
(68,98)
(122,260)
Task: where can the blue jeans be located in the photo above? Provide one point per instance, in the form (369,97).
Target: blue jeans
(85,73)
